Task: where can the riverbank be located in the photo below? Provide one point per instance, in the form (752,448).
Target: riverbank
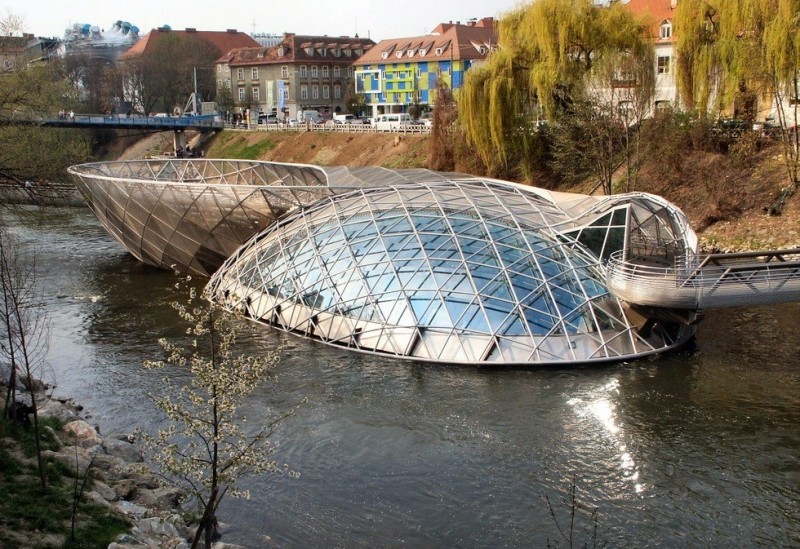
(102,477)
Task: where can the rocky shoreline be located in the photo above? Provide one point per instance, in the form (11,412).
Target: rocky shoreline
(122,482)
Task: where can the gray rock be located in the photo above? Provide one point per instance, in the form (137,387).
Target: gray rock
(125,488)
(125,540)
(155,527)
(85,435)
(97,498)
(67,456)
(108,493)
(56,409)
(131,509)
(164,498)
(223,545)
(123,450)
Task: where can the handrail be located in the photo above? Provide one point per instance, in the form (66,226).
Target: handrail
(714,280)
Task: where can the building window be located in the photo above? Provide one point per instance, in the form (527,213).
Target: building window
(663,64)
(337,71)
(304,91)
(325,71)
(241,94)
(337,91)
(314,73)
(314,92)
(254,73)
(285,94)
(665,31)
(240,73)
(256,94)
(326,91)
(349,72)
(303,72)
(285,71)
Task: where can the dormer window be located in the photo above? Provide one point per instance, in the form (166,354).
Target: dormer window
(385,55)
(281,52)
(310,51)
(665,32)
(337,52)
(411,53)
(482,50)
(422,52)
(439,51)
(399,54)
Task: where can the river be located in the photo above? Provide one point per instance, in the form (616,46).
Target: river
(697,448)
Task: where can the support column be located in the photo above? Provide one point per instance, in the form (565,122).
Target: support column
(179,141)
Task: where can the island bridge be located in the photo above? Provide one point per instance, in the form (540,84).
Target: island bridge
(693,282)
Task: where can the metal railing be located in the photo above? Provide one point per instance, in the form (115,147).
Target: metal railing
(419,129)
(715,280)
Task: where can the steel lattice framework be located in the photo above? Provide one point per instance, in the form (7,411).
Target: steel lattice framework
(456,270)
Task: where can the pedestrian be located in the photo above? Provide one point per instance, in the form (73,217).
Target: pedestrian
(72,116)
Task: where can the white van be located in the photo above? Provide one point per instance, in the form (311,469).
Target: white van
(392,121)
(314,116)
(343,118)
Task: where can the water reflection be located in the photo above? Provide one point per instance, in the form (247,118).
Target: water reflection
(698,448)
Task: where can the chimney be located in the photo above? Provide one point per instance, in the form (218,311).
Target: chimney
(673,4)
(191,29)
(231,31)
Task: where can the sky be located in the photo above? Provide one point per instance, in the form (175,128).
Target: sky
(376,19)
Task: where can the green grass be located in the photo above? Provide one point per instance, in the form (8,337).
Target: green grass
(237,147)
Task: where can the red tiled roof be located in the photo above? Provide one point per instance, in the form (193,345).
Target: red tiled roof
(453,41)
(223,41)
(655,11)
(294,50)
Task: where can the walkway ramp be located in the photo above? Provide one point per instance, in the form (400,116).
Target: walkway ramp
(706,282)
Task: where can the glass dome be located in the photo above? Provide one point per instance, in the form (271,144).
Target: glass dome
(470,271)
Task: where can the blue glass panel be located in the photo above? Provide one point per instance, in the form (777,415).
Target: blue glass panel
(421,302)
(513,326)
(473,319)
(399,224)
(498,287)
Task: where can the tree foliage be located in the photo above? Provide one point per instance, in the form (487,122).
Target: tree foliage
(36,89)
(543,64)
(163,76)
(207,447)
(734,50)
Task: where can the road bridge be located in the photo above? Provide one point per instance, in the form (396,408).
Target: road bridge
(178,124)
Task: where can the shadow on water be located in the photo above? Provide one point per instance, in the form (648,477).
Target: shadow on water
(696,447)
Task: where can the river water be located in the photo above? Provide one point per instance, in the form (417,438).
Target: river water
(698,448)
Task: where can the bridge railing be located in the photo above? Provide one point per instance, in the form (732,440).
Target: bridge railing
(115,120)
(419,129)
(714,280)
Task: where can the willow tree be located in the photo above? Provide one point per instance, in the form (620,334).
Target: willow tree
(734,49)
(545,52)
(698,59)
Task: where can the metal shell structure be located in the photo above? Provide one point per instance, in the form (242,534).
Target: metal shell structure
(459,271)
(190,215)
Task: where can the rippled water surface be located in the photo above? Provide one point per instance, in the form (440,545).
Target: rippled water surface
(697,448)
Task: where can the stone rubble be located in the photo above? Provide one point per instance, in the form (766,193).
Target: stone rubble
(123,482)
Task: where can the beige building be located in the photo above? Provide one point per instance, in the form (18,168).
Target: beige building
(299,73)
